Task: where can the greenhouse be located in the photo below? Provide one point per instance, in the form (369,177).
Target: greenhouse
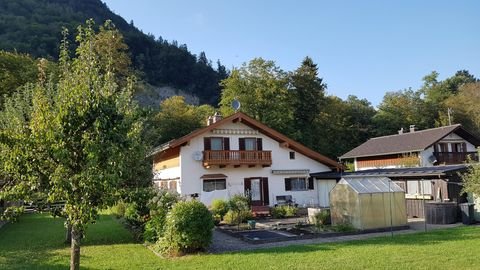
(368,203)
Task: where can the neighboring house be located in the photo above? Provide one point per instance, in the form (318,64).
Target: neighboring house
(240,155)
(421,184)
(430,147)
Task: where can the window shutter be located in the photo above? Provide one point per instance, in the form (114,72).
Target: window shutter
(259,144)
(241,144)
(464,147)
(266,200)
(310,183)
(226,143)
(206,144)
(288,184)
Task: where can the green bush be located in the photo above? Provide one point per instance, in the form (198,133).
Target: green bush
(159,206)
(321,219)
(290,211)
(119,209)
(284,211)
(188,229)
(219,208)
(236,217)
(238,203)
(345,227)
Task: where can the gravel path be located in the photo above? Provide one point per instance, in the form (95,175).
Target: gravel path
(225,243)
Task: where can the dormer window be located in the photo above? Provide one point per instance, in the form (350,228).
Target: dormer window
(250,144)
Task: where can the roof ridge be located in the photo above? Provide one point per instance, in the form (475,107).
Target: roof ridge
(417,131)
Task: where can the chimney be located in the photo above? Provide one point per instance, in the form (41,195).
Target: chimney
(400,131)
(209,120)
(213,119)
(412,128)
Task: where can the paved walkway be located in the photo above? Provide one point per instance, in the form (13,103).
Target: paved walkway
(225,243)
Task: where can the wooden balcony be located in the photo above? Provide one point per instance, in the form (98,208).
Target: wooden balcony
(237,158)
(454,157)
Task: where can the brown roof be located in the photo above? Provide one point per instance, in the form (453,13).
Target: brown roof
(408,142)
(247,120)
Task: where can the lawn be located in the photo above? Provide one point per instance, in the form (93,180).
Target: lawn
(36,242)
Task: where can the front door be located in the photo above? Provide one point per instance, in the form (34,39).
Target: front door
(257,189)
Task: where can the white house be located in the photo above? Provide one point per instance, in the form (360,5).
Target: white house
(240,155)
(430,147)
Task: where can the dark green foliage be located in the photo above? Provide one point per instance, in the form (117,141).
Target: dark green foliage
(159,206)
(34,27)
(137,209)
(12,213)
(344,227)
(188,229)
(308,99)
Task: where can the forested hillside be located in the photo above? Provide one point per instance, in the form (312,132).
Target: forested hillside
(34,27)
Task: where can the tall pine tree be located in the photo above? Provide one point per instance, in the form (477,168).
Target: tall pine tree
(307,101)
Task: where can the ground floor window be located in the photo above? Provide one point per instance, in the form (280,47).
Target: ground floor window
(170,185)
(214,184)
(298,184)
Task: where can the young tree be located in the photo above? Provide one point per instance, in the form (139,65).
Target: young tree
(80,140)
(471,179)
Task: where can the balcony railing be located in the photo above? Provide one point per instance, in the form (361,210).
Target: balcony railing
(237,158)
(454,157)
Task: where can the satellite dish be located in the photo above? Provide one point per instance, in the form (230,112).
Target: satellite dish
(236,105)
(197,155)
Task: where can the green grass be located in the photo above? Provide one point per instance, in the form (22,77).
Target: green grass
(36,242)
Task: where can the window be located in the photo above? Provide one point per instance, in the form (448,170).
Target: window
(214,184)
(250,144)
(442,147)
(216,143)
(419,188)
(298,184)
(172,186)
(459,147)
(292,155)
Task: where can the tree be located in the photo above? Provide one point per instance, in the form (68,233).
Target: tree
(261,87)
(80,139)
(401,109)
(466,108)
(308,100)
(175,119)
(471,179)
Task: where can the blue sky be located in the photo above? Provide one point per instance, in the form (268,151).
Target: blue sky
(362,48)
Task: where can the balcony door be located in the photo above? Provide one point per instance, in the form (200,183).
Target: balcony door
(257,189)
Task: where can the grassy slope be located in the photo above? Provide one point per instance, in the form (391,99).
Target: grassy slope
(36,243)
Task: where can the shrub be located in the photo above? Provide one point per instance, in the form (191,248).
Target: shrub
(119,209)
(344,227)
(188,229)
(236,217)
(238,203)
(290,211)
(219,208)
(321,219)
(159,206)
(284,211)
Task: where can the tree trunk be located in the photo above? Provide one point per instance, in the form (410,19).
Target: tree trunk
(75,249)
(68,234)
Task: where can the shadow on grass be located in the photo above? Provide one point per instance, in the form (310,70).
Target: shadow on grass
(431,238)
(37,241)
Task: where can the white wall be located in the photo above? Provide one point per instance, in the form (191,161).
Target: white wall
(191,170)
